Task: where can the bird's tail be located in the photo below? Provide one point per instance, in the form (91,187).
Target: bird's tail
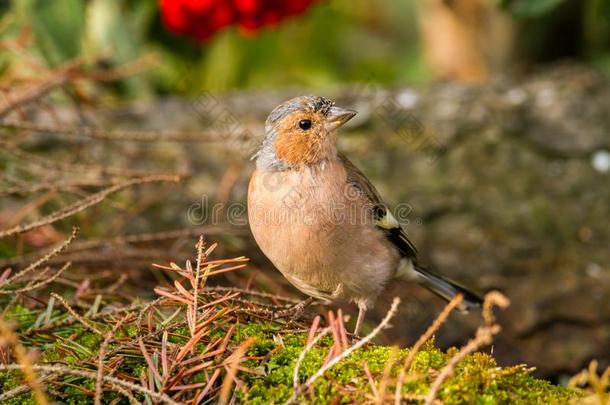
(446,288)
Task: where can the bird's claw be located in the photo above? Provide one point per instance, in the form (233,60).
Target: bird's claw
(295,311)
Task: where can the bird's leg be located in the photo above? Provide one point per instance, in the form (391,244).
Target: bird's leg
(360,320)
(294,311)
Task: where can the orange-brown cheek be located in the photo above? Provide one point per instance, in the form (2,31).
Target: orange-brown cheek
(297,149)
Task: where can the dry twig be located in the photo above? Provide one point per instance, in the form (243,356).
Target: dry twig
(484,336)
(382,325)
(34,93)
(72,312)
(33,285)
(100,364)
(62,370)
(76,132)
(25,364)
(233,363)
(42,260)
(440,319)
(83,204)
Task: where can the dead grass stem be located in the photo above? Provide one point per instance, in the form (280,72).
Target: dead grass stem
(25,364)
(440,319)
(484,336)
(83,204)
(382,325)
(80,318)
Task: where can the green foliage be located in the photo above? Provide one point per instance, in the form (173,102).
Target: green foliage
(531,8)
(273,356)
(58,26)
(113,26)
(338,41)
(9,381)
(335,42)
(68,29)
(478,379)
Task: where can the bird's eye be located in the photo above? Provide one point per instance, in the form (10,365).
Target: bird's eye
(305,124)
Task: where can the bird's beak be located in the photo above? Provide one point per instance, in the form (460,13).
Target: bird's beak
(338,116)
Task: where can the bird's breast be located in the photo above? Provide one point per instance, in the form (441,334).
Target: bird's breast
(298,212)
(318,232)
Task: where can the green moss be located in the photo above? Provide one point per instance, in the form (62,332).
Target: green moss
(84,345)
(8,381)
(477,379)
(75,390)
(132,331)
(21,315)
(257,330)
(273,356)
(181,336)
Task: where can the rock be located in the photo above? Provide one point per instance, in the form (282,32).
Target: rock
(504,190)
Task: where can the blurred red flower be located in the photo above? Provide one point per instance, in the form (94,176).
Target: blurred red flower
(201,19)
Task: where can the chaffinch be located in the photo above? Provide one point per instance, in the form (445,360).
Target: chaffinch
(320,221)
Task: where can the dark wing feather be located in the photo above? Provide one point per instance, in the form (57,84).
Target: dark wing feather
(386,222)
(384,219)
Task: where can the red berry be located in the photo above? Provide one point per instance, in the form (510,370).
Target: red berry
(202,18)
(173,16)
(248,6)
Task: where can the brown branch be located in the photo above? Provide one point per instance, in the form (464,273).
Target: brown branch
(131,68)
(43,259)
(483,337)
(100,364)
(83,204)
(73,132)
(24,362)
(440,319)
(125,255)
(34,285)
(61,166)
(76,315)
(60,369)
(35,92)
(70,321)
(221,229)
(56,186)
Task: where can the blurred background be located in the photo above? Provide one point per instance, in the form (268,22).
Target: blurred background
(318,44)
(487,119)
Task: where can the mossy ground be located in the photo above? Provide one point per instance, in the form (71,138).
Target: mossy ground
(271,361)
(477,380)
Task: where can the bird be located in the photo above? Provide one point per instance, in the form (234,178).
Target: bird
(321,222)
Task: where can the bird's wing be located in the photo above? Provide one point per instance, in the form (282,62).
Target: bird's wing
(384,220)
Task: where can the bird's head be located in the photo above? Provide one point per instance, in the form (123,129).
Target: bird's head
(301,132)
